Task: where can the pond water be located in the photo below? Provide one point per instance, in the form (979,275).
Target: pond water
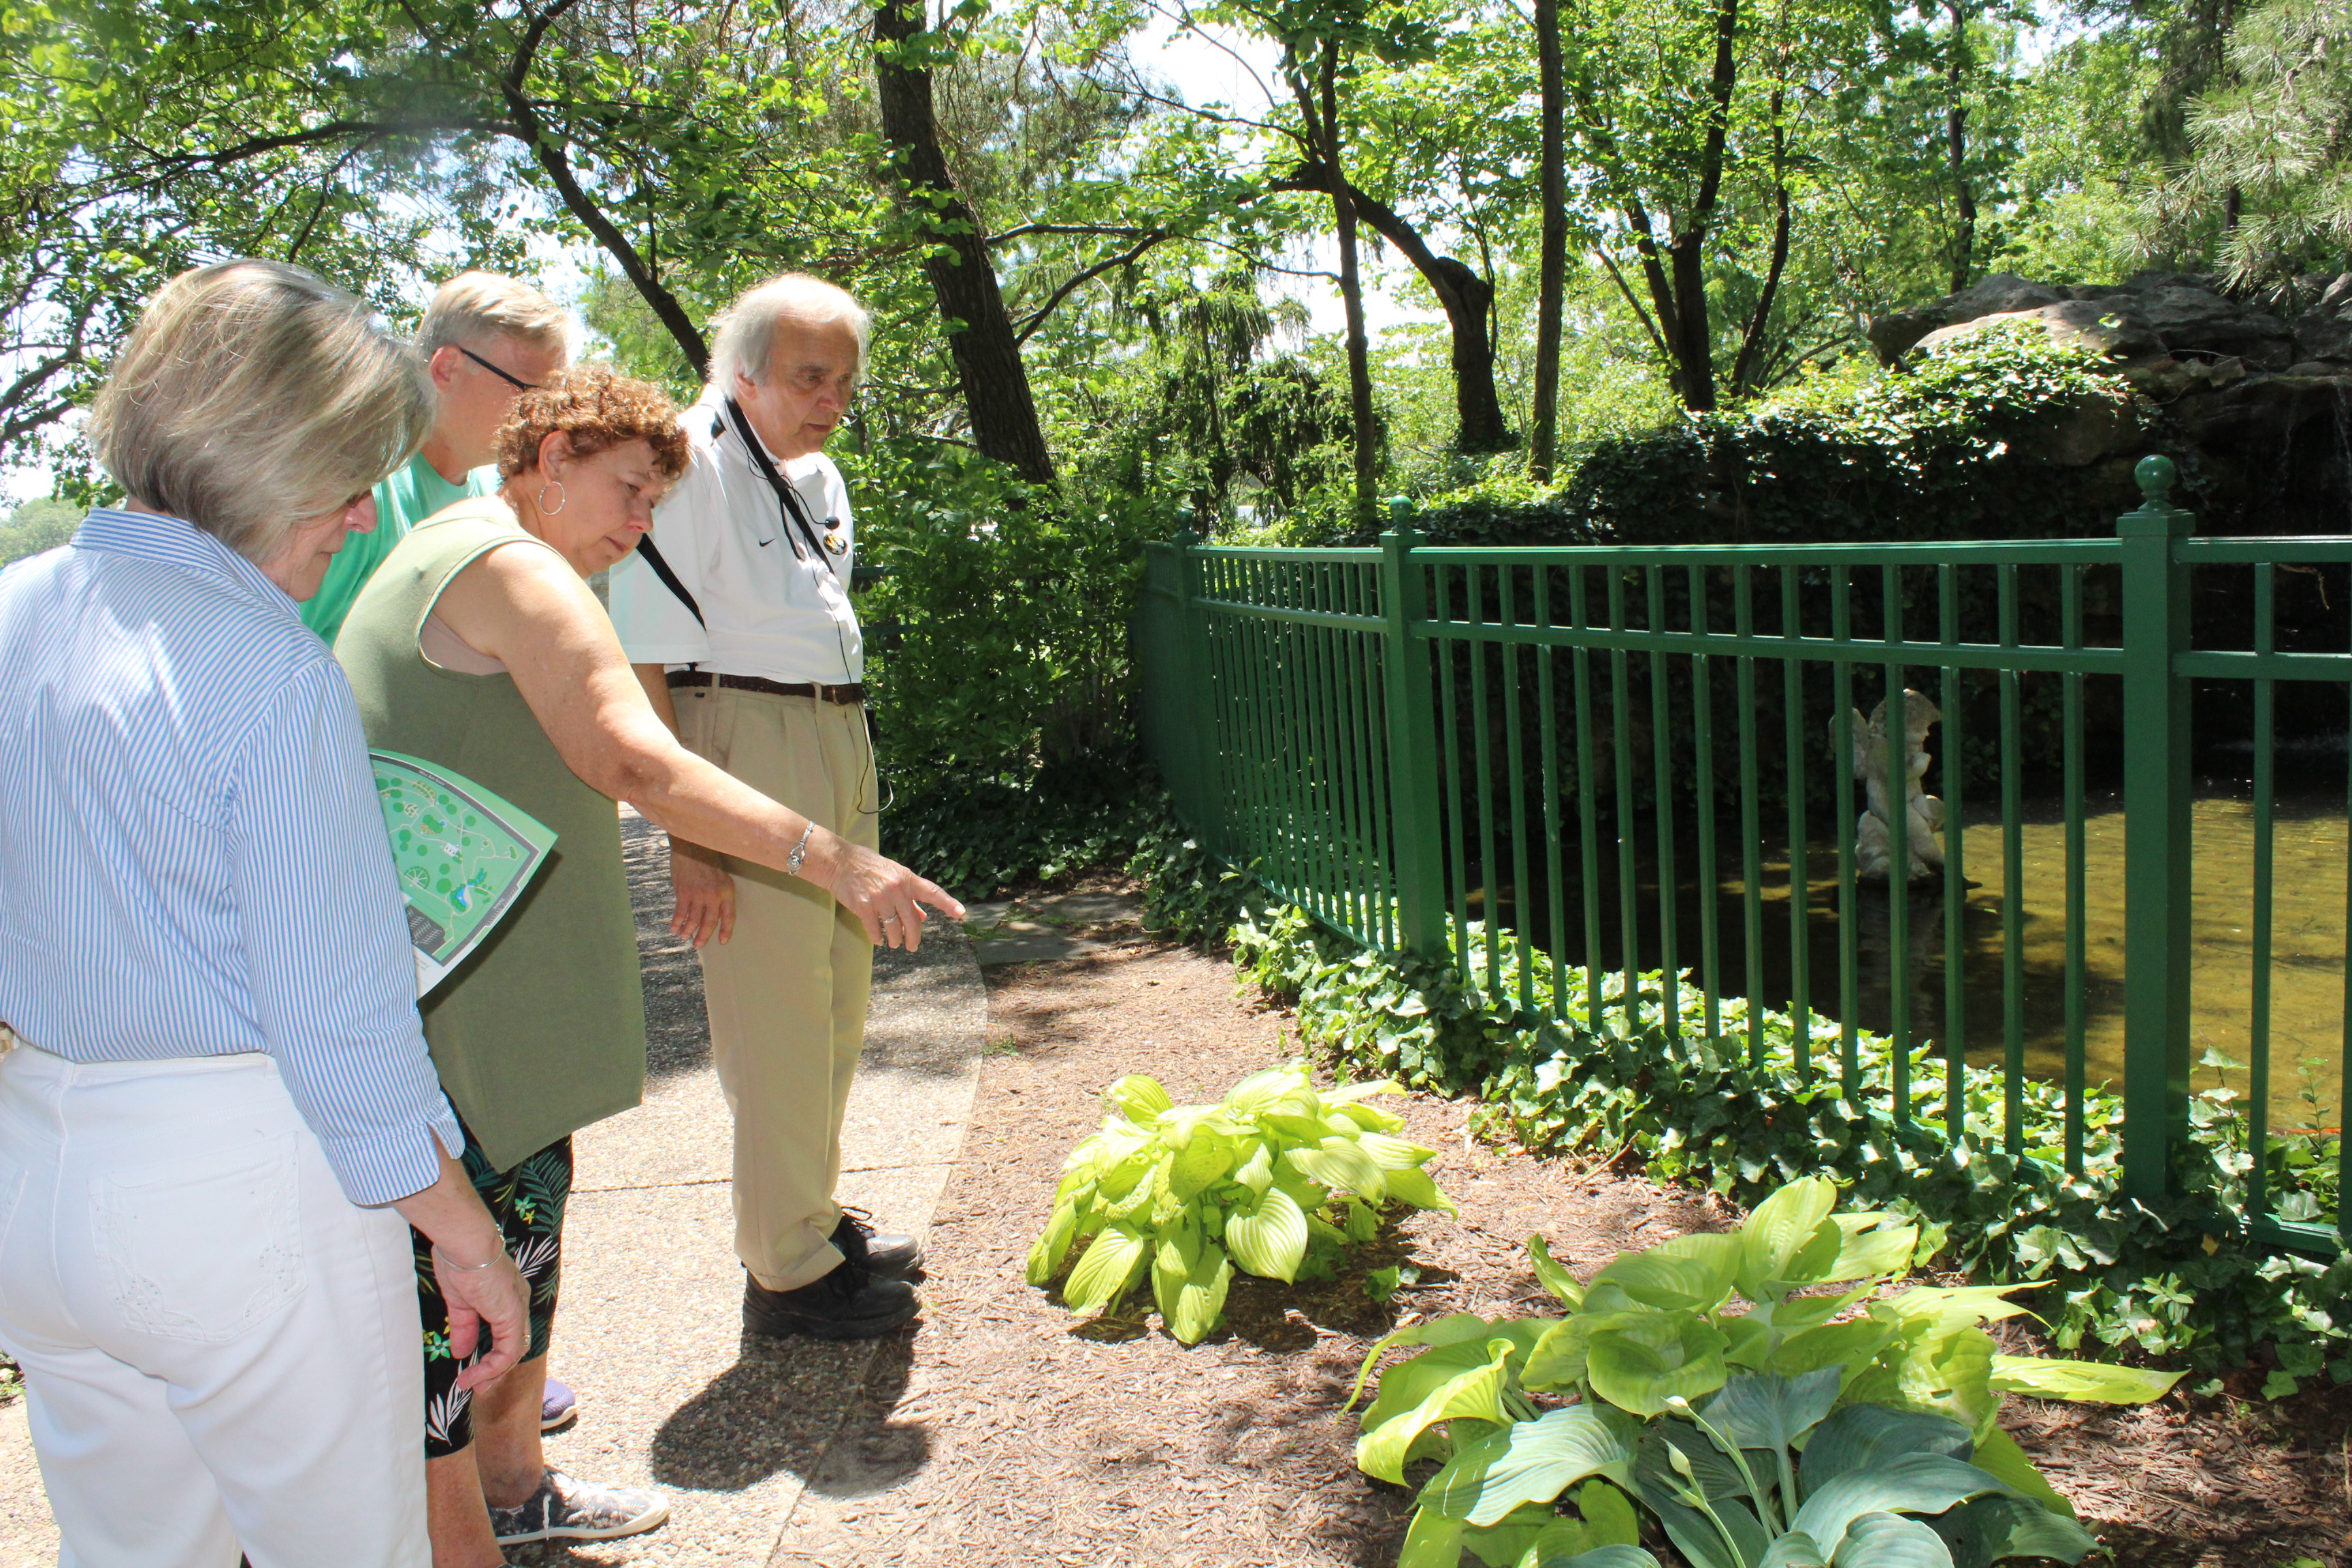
(2307,942)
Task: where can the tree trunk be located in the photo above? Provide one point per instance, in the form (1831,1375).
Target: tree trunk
(1466,298)
(1551,265)
(987,355)
(1747,370)
(1693,335)
(1352,295)
(1955,137)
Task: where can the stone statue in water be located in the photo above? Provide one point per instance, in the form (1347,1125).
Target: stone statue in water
(1923,814)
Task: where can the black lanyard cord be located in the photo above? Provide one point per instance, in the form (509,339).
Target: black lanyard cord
(788,495)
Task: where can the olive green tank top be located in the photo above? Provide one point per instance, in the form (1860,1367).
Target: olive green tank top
(542,1030)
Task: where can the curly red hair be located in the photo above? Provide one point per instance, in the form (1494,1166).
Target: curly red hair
(597,407)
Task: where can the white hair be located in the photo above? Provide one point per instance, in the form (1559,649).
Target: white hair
(476,305)
(252,397)
(743,335)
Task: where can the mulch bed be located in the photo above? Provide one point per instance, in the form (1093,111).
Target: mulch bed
(1007,1432)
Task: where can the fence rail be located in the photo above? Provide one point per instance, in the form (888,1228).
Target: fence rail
(1566,767)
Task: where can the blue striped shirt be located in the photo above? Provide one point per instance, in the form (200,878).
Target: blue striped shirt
(194,858)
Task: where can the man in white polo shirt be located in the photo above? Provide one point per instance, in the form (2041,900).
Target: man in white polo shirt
(736,613)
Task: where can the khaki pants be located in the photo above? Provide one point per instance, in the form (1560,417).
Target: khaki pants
(787,994)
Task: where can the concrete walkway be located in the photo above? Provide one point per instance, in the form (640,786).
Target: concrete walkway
(672,1394)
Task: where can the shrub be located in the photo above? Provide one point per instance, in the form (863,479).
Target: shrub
(1653,1387)
(1003,688)
(1278,1177)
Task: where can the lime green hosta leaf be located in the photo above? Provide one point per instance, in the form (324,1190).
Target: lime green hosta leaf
(1795,1314)
(1189,1284)
(1272,1241)
(1876,1254)
(1638,1360)
(1947,1308)
(1787,1239)
(1997,1453)
(1986,1529)
(1045,1257)
(1138,1099)
(1475,1391)
(1890,1540)
(1434,1540)
(1664,1281)
(1533,1461)
(1370,1119)
(1393,1153)
(1260,1090)
(2081,1380)
(1348,1093)
(1416,1188)
(1105,1272)
(1510,1538)
(1609,1516)
(1558,1363)
(1338,1162)
(1206,1159)
(1915,1483)
(1438,1334)
(1850,1345)
(1552,1277)
(1256,1172)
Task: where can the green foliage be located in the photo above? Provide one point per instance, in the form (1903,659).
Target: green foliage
(2269,136)
(1653,1387)
(1747,1112)
(1280,1178)
(36,526)
(1003,698)
(1952,449)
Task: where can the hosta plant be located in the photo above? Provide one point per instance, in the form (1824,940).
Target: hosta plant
(1750,1390)
(1279,1178)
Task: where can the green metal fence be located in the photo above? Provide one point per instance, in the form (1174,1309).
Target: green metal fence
(1578,764)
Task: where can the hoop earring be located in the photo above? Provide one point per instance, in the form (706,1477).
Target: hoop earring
(557,486)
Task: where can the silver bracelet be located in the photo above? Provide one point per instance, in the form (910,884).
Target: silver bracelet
(793,860)
(441,1259)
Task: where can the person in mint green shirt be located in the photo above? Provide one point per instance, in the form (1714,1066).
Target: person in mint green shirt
(489,339)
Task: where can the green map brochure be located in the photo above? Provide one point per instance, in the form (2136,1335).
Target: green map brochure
(464,857)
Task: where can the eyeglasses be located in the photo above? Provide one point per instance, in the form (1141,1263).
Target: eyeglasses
(516,381)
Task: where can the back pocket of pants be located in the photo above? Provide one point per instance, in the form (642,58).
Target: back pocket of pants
(206,1248)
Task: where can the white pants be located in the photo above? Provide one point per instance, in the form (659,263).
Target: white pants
(220,1350)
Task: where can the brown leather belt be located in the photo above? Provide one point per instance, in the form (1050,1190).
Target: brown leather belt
(845,695)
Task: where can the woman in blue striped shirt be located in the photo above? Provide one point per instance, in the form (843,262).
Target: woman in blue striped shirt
(220,1111)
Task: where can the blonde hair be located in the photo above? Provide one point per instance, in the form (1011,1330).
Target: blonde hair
(743,335)
(252,397)
(476,305)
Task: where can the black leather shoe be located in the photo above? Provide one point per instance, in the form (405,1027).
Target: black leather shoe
(847,1304)
(880,1252)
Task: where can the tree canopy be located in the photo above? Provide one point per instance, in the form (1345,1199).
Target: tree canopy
(1109,283)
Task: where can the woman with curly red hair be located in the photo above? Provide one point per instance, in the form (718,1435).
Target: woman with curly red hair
(477,646)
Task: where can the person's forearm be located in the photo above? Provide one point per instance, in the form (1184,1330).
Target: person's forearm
(654,679)
(451,1215)
(703,806)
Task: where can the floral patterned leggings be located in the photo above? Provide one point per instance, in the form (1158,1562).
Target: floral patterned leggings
(527,1203)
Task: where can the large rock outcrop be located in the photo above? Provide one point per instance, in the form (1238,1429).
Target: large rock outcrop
(2257,388)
